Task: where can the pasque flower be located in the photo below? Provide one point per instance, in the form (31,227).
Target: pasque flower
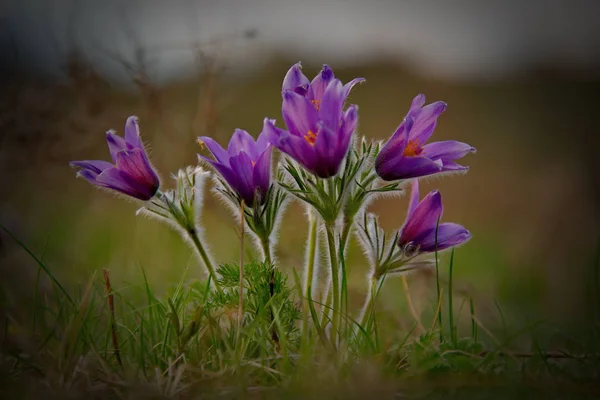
(245,165)
(406,155)
(419,230)
(319,130)
(130,172)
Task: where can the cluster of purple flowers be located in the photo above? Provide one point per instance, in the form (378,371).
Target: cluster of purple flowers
(319,134)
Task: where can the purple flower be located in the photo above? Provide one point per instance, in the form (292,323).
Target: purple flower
(245,165)
(419,229)
(319,130)
(406,155)
(130,173)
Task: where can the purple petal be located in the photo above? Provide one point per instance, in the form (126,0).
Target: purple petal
(423,218)
(120,181)
(330,111)
(89,175)
(452,166)
(96,166)
(348,86)
(215,148)
(225,172)
(136,165)
(242,141)
(295,80)
(414,199)
(320,83)
(262,142)
(448,235)
(262,172)
(241,165)
(115,144)
(447,150)
(417,103)
(299,114)
(271,133)
(393,150)
(349,121)
(132,133)
(299,149)
(425,121)
(408,167)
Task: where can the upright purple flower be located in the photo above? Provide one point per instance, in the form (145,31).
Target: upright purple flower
(419,229)
(406,155)
(245,165)
(319,130)
(130,172)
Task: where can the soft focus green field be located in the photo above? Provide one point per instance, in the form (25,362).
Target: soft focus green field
(528,198)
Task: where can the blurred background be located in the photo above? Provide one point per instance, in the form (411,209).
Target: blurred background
(521,80)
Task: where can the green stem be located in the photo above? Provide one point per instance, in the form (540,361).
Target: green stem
(335,282)
(193,233)
(310,268)
(266,246)
(369,305)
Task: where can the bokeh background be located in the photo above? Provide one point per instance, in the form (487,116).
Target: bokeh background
(521,80)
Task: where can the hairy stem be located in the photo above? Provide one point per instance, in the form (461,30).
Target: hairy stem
(193,234)
(310,268)
(369,305)
(411,306)
(335,282)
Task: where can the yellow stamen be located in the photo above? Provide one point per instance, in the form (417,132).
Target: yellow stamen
(412,149)
(317,103)
(311,138)
(253,163)
(202,144)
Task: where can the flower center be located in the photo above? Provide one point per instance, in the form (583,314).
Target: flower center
(311,138)
(317,103)
(413,148)
(253,163)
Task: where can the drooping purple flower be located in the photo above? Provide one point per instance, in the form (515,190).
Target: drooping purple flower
(130,172)
(406,154)
(245,165)
(319,130)
(419,229)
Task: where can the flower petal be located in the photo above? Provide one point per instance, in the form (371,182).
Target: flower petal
(393,150)
(262,142)
(414,198)
(115,144)
(447,150)
(241,165)
(132,133)
(409,167)
(348,86)
(452,166)
(448,235)
(320,83)
(262,172)
(330,111)
(242,141)
(295,80)
(423,218)
(425,121)
(120,181)
(299,114)
(417,103)
(349,121)
(96,166)
(215,148)
(136,166)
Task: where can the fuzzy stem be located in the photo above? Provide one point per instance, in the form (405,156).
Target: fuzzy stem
(369,305)
(410,304)
(335,282)
(193,234)
(310,268)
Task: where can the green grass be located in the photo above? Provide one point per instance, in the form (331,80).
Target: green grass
(188,343)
